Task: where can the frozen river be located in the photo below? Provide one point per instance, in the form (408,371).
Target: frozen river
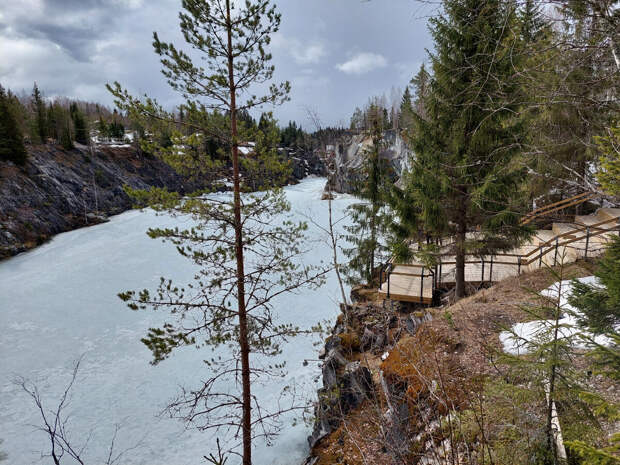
(58,302)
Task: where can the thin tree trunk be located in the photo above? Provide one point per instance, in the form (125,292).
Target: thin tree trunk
(552,375)
(335,244)
(373,241)
(460,253)
(243,319)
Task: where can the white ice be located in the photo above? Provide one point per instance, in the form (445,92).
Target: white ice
(59,301)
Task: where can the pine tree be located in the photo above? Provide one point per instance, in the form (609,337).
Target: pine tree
(38,108)
(246,119)
(387,124)
(369,220)
(245,253)
(464,179)
(11,140)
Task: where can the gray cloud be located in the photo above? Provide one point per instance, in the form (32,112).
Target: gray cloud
(73,25)
(75,47)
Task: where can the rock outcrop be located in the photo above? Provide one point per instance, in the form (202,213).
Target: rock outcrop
(305,163)
(59,190)
(363,338)
(346,384)
(349,157)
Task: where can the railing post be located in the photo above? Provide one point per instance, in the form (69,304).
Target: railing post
(482,260)
(440,271)
(587,241)
(555,258)
(422,286)
(540,251)
(389,272)
(491,271)
(519,269)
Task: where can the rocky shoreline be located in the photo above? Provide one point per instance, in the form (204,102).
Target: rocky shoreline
(359,341)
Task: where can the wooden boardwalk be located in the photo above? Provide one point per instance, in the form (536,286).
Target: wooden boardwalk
(587,236)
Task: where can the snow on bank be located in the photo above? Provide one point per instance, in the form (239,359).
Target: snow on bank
(523,335)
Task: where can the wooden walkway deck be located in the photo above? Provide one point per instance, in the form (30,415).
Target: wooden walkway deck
(563,243)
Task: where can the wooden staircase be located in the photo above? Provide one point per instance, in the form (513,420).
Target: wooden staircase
(585,237)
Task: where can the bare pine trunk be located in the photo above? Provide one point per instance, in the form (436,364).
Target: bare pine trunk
(246,424)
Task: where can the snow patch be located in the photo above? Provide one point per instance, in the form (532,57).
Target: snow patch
(524,336)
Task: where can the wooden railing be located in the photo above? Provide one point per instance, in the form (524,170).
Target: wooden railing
(579,234)
(387,271)
(557,206)
(552,245)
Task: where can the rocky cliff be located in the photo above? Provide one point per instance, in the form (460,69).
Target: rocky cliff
(60,190)
(349,157)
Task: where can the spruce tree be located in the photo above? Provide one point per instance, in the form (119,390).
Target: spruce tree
(357,120)
(421,85)
(406,110)
(464,178)
(52,121)
(532,24)
(11,140)
(38,108)
(599,306)
(245,251)
(66,130)
(609,161)
(369,217)
(102,126)
(79,124)
(569,84)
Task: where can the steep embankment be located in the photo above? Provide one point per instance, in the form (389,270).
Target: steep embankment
(418,370)
(350,154)
(59,190)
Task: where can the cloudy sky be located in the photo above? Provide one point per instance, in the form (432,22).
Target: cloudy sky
(336,53)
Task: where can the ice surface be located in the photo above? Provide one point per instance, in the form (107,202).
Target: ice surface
(59,301)
(519,340)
